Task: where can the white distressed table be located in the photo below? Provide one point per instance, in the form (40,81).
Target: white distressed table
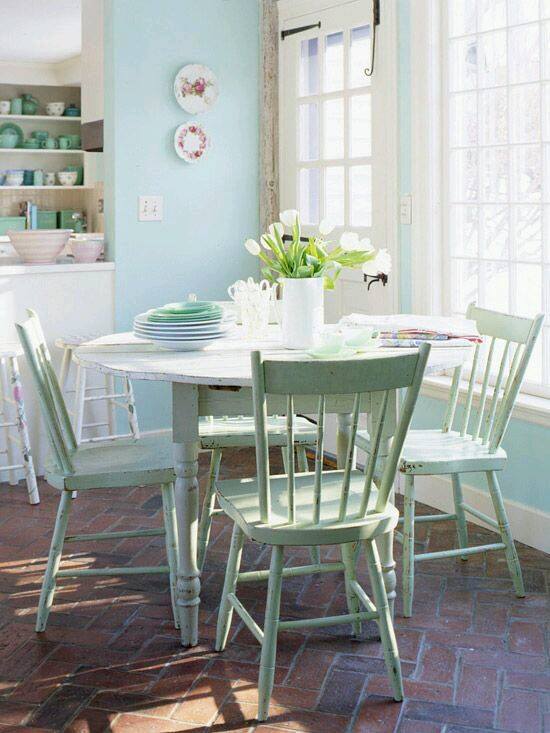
(217,381)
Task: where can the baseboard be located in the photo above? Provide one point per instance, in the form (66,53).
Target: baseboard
(529,525)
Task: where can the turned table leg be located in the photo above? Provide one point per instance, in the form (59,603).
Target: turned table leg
(186,452)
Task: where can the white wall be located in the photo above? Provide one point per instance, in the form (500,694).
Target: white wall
(92,60)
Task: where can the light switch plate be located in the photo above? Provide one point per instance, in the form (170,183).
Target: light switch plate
(150,208)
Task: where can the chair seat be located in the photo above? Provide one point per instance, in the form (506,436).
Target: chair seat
(239,499)
(433,452)
(236,432)
(118,463)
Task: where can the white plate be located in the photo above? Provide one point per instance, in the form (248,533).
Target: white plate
(180,327)
(178,334)
(195,345)
(191,142)
(178,337)
(222,321)
(196,88)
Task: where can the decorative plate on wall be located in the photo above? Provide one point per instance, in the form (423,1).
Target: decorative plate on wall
(191,142)
(196,88)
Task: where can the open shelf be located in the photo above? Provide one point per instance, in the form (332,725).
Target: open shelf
(45,188)
(39,151)
(41,118)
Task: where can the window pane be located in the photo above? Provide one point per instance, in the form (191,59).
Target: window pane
(361,195)
(464,287)
(360,126)
(494,239)
(359,55)
(333,128)
(524,53)
(493,116)
(523,11)
(462,17)
(546,50)
(492,59)
(526,173)
(525,113)
(334,194)
(464,230)
(534,369)
(494,174)
(463,175)
(528,290)
(463,64)
(527,228)
(463,119)
(334,62)
(309,132)
(546,112)
(491,14)
(309,67)
(497,286)
(309,191)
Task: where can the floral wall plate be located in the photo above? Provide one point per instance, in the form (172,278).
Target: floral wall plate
(196,88)
(191,142)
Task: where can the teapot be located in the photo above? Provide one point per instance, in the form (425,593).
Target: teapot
(30,104)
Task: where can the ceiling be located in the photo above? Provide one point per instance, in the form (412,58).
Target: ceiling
(39,31)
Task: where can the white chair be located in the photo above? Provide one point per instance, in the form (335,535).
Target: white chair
(16,445)
(83,395)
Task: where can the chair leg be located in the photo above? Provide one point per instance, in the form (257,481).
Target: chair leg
(387,634)
(6,416)
(208,507)
(131,407)
(348,558)
(408,546)
(79,403)
(23,431)
(285,458)
(225,614)
(110,388)
(461,526)
(511,553)
(269,644)
(54,558)
(65,368)
(170,526)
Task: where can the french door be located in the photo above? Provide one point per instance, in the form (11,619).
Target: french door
(338,133)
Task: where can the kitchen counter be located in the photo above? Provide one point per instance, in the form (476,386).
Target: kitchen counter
(13,266)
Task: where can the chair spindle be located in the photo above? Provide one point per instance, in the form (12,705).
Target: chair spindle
(470,395)
(349,457)
(485,385)
(370,466)
(496,395)
(319,460)
(290,457)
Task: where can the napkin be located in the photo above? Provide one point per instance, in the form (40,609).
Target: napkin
(407,330)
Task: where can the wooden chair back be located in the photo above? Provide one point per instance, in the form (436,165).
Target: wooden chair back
(508,345)
(363,378)
(54,411)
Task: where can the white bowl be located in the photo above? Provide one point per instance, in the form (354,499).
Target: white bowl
(67,178)
(55,109)
(86,250)
(39,246)
(14,179)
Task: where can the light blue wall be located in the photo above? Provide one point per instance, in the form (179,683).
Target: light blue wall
(211,207)
(525,479)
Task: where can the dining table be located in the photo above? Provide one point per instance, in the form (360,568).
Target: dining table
(217,381)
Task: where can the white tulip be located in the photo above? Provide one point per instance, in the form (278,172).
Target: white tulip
(289,217)
(263,241)
(252,246)
(365,245)
(381,264)
(326,227)
(349,241)
(276,227)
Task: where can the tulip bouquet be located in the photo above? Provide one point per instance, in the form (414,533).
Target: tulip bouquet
(286,254)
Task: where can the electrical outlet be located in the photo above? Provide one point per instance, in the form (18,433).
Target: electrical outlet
(405,209)
(150,208)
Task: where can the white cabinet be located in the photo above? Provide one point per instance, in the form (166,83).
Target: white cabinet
(70,299)
(92,60)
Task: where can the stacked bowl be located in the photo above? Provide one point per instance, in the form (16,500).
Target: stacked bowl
(189,326)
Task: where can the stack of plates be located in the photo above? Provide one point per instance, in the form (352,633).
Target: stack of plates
(184,326)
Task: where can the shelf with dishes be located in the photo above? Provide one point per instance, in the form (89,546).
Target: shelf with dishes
(40,118)
(59,187)
(56,151)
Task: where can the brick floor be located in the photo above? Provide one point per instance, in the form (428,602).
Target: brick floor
(474,657)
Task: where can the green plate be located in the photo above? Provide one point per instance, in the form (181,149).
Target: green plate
(11,127)
(159,318)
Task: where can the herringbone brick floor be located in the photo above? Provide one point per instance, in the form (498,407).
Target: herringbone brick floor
(474,657)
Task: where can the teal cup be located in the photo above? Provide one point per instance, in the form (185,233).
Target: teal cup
(40,134)
(16,106)
(64,142)
(49,144)
(75,141)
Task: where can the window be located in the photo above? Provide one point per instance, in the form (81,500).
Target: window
(494,113)
(338,132)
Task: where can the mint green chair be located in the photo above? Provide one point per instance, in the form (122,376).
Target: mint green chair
(218,433)
(72,468)
(341,507)
(473,446)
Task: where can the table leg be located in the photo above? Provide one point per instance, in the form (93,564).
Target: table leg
(343,431)
(186,453)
